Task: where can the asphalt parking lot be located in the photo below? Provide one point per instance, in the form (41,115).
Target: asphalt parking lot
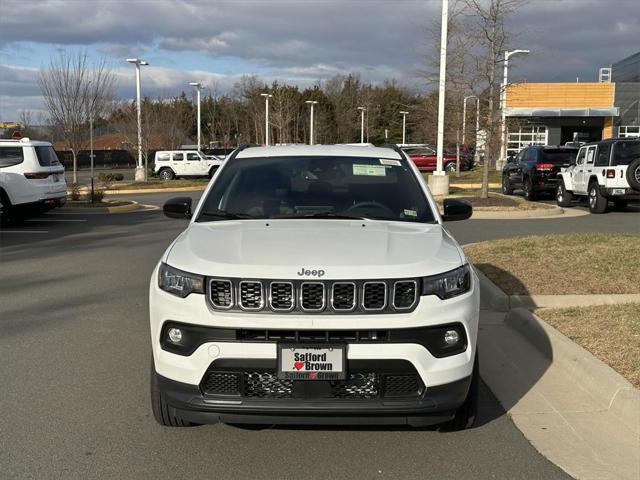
(75,346)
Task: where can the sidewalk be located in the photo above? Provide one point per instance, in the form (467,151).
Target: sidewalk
(557,412)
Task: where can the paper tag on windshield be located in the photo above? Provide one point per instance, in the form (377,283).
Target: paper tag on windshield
(369,170)
(389,161)
(410,213)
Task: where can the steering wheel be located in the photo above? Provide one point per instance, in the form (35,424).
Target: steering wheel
(372,204)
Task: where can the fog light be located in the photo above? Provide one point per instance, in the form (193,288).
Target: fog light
(175,335)
(451,337)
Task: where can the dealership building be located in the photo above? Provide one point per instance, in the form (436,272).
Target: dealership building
(557,113)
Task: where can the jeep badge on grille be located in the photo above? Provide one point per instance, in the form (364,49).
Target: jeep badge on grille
(310,273)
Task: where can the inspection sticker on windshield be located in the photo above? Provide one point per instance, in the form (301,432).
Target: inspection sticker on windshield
(369,170)
(389,161)
(410,213)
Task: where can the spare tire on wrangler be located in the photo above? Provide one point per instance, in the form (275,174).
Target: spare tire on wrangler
(633,174)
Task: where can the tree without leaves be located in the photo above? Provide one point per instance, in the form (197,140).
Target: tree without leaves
(74,92)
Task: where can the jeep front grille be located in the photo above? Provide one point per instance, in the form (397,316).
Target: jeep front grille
(317,296)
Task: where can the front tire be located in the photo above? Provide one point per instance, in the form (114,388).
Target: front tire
(451,167)
(160,408)
(506,186)
(563,197)
(466,414)
(597,202)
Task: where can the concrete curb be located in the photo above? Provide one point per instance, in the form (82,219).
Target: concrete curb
(491,296)
(622,398)
(517,214)
(147,190)
(564,301)
(106,210)
(472,186)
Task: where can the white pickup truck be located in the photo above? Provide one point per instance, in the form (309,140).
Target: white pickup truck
(604,171)
(170,164)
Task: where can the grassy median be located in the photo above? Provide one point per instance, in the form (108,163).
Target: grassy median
(474,176)
(156,183)
(610,332)
(579,264)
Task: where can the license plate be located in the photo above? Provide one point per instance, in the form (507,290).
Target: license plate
(311,362)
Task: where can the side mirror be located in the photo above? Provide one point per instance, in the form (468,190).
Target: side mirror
(455,210)
(178,207)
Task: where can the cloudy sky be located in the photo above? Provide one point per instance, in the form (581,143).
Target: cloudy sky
(295,41)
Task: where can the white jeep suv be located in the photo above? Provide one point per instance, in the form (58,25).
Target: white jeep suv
(169,164)
(603,171)
(315,284)
(31,178)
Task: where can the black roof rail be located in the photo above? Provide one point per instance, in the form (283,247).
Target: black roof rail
(394,147)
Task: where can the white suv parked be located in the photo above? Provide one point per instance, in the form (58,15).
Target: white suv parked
(604,171)
(170,164)
(315,284)
(31,177)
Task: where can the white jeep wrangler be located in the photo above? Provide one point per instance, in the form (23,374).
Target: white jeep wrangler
(315,284)
(170,164)
(604,171)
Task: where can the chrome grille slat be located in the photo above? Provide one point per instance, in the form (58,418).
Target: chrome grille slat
(405,294)
(312,296)
(250,295)
(343,296)
(374,296)
(221,293)
(281,296)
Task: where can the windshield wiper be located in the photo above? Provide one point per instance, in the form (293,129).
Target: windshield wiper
(226,215)
(324,215)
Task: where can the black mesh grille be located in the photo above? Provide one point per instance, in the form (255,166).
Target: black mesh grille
(221,293)
(281,296)
(402,386)
(312,296)
(344,296)
(359,385)
(404,294)
(221,383)
(374,296)
(251,295)
(266,385)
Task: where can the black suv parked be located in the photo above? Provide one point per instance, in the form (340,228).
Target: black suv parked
(535,169)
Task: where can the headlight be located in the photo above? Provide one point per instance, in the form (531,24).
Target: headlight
(178,282)
(447,285)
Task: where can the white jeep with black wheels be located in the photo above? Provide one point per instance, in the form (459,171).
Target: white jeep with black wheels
(315,284)
(606,171)
(170,164)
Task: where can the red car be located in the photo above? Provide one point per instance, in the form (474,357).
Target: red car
(426,160)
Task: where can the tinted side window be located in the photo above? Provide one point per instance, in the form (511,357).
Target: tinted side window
(531,155)
(602,159)
(10,156)
(178,157)
(193,157)
(47,156)
(625,152)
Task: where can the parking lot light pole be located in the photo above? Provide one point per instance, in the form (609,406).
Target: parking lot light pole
(91,150)
(503,101)
(312,103)
(198,87)
(362,110)
(266,96)
(404,126)
(141,174)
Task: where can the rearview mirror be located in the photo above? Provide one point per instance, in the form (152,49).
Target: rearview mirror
(455,210)
(178,207)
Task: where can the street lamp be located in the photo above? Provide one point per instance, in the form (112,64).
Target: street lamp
(266,96)
(199,87)
(362,110)
(312,103)
(141,172)
(503,101)
(404,125)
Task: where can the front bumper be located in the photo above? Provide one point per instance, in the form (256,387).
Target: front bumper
(434,405)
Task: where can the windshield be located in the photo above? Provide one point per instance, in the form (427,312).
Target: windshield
(559,156)
(625,152)
(317,187)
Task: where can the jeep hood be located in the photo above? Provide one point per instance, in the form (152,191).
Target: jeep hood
(344,249)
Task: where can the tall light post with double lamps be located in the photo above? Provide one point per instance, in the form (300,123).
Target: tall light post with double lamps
(362,110)
(404,126)
(503,103)
(464,123)
(311,103)
(141,172)
(266,96)
(198,86)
